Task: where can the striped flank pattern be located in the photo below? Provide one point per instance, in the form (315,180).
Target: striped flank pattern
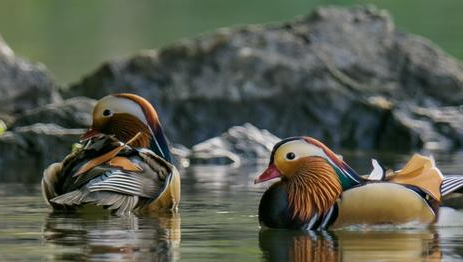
(451,184)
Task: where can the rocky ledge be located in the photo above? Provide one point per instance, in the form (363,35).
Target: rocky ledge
(28,150)
(23,84)
(239,145)
(345,76)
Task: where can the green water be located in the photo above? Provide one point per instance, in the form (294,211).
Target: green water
(217,222)
(73,37)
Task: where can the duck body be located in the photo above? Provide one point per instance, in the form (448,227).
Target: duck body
(369,204)
(122,164)
(384,203)
(318,190)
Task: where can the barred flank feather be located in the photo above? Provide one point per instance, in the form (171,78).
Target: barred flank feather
(451,184)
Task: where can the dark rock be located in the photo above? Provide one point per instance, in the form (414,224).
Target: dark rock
(438,127)
(346,76)
(28,150)
(3,127)
(71,113)
(23,84)
(454,200)
(7,119)
(240,145)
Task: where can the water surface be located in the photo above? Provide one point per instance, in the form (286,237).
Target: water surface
(217,222)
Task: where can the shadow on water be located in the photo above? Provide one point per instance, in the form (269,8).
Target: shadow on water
(110,238)
(327,246)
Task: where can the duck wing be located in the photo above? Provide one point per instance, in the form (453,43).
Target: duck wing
(420,172)
(113,175)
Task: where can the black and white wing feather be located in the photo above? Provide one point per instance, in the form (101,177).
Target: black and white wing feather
(452,184)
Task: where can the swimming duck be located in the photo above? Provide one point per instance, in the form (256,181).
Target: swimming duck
(319,190)
(123,162)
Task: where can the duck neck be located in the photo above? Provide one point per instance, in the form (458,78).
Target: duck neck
(313,189)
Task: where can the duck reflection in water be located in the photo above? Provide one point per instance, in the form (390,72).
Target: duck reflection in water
(89,237)
(327,246)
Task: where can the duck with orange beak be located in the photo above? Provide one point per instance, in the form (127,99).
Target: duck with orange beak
(123,164)
(318,190)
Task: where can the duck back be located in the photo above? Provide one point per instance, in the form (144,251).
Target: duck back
(109,174)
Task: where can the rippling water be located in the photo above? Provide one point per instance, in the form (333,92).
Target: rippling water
(217,221)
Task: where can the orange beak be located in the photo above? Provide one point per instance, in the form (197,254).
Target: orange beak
(270,173)
(90,133)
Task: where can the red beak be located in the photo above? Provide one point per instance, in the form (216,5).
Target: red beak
(90,133)
(270,173)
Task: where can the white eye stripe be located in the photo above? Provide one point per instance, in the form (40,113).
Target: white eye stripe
(120,105)
(301,149)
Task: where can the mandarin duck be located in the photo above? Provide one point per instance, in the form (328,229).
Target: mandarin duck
(122,164)
(318,190)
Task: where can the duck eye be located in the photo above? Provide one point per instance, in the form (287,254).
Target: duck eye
(107,112)
(290,156)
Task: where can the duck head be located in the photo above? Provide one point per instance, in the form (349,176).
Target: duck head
(314,176)
(126,115)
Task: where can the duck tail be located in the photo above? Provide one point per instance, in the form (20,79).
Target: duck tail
(71,198)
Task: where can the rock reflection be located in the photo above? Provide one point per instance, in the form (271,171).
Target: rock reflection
(299,246)
(84,237)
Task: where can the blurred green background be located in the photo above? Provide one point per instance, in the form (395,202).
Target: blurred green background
(72,37)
